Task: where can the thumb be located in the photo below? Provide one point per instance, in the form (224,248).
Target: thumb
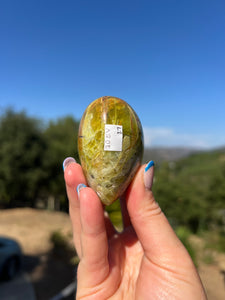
(154,232)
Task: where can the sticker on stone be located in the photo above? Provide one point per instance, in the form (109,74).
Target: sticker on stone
(113,137)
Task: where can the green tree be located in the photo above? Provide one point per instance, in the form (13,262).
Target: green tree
(61,137)
(191,191)
(181,195)
(22,147)
(216,198)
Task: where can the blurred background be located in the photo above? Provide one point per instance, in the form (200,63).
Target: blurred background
(166,59)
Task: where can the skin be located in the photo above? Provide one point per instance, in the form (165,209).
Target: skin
(144,261)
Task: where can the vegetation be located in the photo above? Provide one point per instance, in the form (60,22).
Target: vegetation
(214,240)
(183,234)
(62,247)
(191,190)
(61,140)
(22,149)
(31,156)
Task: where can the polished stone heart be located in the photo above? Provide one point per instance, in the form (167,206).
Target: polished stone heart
(110,146)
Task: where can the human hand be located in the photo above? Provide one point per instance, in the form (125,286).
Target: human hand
(145,261)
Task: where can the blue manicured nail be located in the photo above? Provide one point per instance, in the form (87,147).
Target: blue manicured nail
(68,161)
(79,187)
(148,175)
(149,165)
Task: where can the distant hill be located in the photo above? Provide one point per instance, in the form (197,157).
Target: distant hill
(191,190)
(161,154)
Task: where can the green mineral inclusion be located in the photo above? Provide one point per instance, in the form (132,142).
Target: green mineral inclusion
(109,172)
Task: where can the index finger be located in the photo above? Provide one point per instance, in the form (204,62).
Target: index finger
(73,176)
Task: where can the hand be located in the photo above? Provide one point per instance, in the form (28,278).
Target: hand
(145,261)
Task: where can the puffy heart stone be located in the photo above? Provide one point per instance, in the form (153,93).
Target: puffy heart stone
(110,146)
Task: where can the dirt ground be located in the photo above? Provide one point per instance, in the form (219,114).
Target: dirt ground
(50,273)
(212,274)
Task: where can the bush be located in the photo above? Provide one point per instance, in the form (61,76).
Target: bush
(215,240)
(62,247)
(183,234)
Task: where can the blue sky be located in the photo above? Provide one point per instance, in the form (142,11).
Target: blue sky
(165,58)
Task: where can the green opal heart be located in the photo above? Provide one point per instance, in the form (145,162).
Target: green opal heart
(110,155)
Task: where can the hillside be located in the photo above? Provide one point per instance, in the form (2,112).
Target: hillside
(191,190)
(160,154)
(189,186)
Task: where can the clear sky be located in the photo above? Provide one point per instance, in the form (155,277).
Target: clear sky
(166,58)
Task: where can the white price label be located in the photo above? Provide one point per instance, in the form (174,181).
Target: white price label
(113,137)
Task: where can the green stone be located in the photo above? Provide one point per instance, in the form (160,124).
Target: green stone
(110,161)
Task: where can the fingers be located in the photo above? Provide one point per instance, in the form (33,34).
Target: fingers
(73,175)
(124,211)
(94,242)
(109,226)
(153,230)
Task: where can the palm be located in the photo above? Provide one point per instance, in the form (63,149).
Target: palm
(125,258)
(133,276)
(145,261)
(126,250)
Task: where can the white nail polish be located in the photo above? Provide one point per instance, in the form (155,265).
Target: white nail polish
(68,161)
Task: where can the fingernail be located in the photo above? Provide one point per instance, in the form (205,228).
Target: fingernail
(79,187)
(68,161)
(148,175)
